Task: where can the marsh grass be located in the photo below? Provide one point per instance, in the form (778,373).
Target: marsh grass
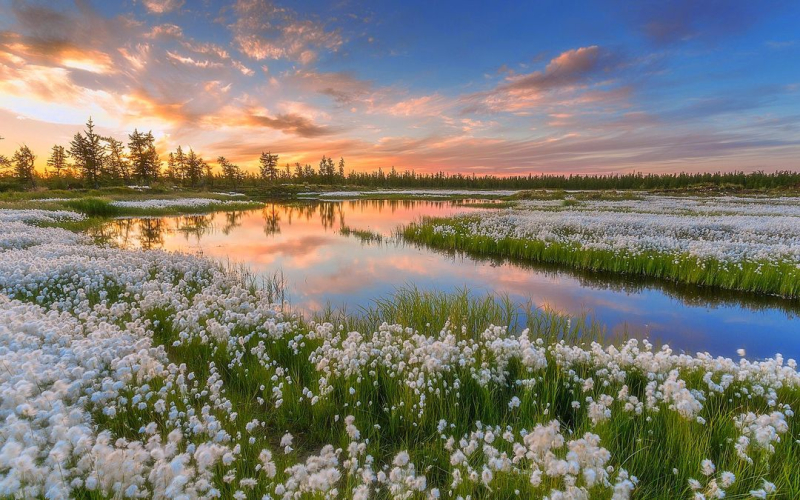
(488,204)
(98,202)
(364,235)
(649,445)
(94,207)
(98,207)
(756,277)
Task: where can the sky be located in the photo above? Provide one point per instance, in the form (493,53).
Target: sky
(505,88)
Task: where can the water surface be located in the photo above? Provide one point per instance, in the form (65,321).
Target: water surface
(325,268)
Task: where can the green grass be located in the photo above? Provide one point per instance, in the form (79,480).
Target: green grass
(102,207)
(488,204)
(94,207)
(649,445)
(364,235)
(558,194)
(756,277)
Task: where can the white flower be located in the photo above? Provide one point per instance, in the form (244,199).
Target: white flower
(707,467)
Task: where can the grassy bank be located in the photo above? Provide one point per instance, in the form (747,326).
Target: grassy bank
(98,207)
(757,277)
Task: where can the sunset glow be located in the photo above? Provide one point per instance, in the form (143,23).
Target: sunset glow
(501,89)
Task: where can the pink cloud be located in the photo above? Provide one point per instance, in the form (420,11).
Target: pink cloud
(162,6)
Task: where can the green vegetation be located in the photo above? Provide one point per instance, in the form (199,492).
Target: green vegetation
(365,235)
(412,371)
(488,204)
(560,194)
(758,277)
(100,202)
(663,450)
(94,207)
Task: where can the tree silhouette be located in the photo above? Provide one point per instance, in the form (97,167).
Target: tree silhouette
(4,162)
(194,168)
(23,161)
(229,170)
(268,165)
(89,153)
(115,165)
(143,155)
(58,161)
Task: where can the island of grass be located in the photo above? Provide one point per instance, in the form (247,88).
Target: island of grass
(734,243)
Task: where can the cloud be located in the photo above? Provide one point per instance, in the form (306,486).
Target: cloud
(291,124)
(162,6)
(605,151)
(589,108)
(585,74)
(265,31)
(427,105)
(668,22)
(192,62)
(342,87)
(568,68)
(151,76)
(781,44)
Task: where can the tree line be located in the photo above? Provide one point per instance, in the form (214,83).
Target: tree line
(92,160)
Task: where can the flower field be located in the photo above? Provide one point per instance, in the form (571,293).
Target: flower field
(148,374)
(749,244)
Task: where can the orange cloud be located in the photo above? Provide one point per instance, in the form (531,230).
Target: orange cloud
(265,31)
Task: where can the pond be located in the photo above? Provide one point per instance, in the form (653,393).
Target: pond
(322,267)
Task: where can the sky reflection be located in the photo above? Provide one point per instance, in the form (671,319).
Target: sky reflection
(324,268)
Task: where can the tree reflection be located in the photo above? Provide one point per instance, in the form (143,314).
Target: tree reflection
(272,220)
(327,214)
(151,233)
(195,225)
(117,230)
(233,219)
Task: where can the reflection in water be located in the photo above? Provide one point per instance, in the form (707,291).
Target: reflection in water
(323,267)
(151,233)
(232,220)
(272,220)
(194,225)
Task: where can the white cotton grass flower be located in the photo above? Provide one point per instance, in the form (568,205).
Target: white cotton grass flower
(176,202)
(286,443)
(726,479)
(724,229)
(80,340)
(707,467)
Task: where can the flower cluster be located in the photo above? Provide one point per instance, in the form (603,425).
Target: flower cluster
(422,193)
(173,203)
(138,374)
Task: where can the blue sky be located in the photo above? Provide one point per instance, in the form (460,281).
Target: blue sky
(519,87)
